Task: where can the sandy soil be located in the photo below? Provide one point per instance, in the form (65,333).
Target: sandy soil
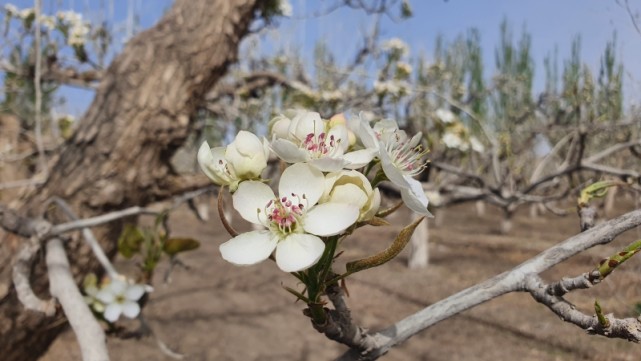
(216,311)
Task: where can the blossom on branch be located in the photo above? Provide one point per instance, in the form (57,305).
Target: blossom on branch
(243,159)
(117,297)
(321,143)
(294,220)
(401,159)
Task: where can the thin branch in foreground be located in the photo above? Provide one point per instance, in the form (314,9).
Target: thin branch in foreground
(21,283)
(89,237)
(511,281)
(99,220)
(627,329)
(90,335)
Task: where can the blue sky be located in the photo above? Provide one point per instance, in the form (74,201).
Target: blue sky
(551,23)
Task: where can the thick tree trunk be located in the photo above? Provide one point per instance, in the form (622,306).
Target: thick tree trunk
(119,156)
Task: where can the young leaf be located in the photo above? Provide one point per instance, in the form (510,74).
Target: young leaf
(383,257)
(130,241)
(174,246)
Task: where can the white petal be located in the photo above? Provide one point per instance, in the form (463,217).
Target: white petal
(328,164)
(367,135)
(208,159)
(414,197)
(349,193)
(288,151)
(360,158)
(328,219)
(299,251)
(250,200)
(245,154)
(134,292)
(302,179)
(112,312)
(105,295)
(373,206)
(392,173)
(249,248)
(131,309)
(305,123)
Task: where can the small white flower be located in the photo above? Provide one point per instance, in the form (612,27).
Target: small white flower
(445,115)
(11,9)
(401,160)
(48,21)
(294,220)
(403,69)
(26,13)
(78,34)
(350,186)
(318,142)
(454,141)
(120,297)
(285,8)
(69,17)
(396,45)
(243,159)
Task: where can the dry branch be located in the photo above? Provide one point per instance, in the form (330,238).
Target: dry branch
(88,331)
(518,279)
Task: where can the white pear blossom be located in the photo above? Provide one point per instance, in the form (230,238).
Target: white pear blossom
(120,298)
(78,34)
(294,220)
(26,13)
(285,8)
(396,45)
(403,69)
(445,115)
(454,141)
(316,141)
(392,87)
(350,186)
(401,159)
(243,159)
(11,9)
(48,21)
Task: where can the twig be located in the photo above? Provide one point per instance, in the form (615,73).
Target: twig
(510,281)
(628,329)
(21,275)
(98,220)
(89,237)
(90,335)
(42,160)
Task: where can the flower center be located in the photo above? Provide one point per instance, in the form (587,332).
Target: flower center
(407,155)
(320,145)
(285,214)
(222,169)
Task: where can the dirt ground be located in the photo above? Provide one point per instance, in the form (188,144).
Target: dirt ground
(217,311)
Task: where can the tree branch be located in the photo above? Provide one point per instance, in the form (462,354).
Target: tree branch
(88,331)
(510,281)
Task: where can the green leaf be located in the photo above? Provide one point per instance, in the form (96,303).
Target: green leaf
(174,246)
(596,190)
(130,241)
(385,256)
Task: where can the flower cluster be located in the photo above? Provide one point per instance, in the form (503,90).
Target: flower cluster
(324,193)
(456,135)
(70,23)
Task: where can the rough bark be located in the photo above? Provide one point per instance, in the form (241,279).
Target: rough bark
(119,155)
